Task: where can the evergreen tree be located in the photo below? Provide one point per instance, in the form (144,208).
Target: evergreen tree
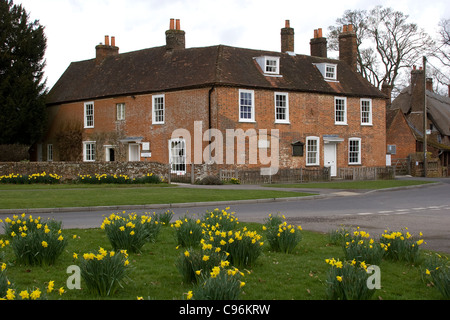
(22,87)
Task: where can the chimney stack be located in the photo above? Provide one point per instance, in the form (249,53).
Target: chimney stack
(319,44)
(348,46)
(102,51)
(417,89)
(430,84)
(287,38)
(175,37)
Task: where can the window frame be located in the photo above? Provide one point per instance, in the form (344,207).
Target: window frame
(154,105)
(316,152)
(276,67)
(333,72)
(177,167)
(120,111)
(252,106)
(286,107)
(351,152)
(89,157)
(344,111)
(49,152)
(369,112)
(87,117)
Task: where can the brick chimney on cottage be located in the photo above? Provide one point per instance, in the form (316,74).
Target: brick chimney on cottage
(348,46)
(102,51)
(319,44)
(175,37)
(287,38)
(417,89)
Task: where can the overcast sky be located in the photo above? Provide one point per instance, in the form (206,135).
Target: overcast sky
(75,27)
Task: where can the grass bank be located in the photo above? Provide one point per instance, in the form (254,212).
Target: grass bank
(58,196)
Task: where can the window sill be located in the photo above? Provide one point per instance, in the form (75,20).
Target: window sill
(284,122)
(340,124)
(247,121)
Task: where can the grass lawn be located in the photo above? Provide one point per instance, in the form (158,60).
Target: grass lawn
(57,196)
(274,276)
(371,184)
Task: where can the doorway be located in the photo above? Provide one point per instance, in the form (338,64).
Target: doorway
(330,158)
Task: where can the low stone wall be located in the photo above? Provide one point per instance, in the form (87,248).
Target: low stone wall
(71,170)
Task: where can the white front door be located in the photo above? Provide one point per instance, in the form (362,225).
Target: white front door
(134,152)
(330,157)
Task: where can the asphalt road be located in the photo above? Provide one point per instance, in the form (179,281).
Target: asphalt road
(423,209)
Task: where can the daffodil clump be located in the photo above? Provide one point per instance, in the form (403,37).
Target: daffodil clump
(223,218)
(437,268)
(361,247)
(192,262)
(164,218)
(282,237)
(33,241)
(188,231)
(4,282)
(130,231)
(222,282)
(339,236)
(15,178)
(347,280)
(402,246)
(103,271)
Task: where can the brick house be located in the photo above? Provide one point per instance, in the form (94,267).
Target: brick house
(126,107)
(405,123)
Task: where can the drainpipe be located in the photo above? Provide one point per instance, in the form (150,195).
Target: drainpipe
(210,118)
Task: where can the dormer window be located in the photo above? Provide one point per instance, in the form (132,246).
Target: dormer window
(328,71)
(269,65)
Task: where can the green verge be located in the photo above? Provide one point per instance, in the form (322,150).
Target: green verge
(275,276)
(58,196)
(371,184)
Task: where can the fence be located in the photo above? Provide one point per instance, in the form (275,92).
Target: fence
(366,173)
(297,175)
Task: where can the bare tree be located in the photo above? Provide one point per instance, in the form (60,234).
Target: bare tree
(441,73)
(387,43)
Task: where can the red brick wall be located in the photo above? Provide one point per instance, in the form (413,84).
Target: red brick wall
(310,115)
(400,135)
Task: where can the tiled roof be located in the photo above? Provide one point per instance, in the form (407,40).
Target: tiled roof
(160,70)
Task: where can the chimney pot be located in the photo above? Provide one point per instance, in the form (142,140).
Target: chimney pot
(175,37)
(318,44)
(106,40)
(287,24)
(113,41)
